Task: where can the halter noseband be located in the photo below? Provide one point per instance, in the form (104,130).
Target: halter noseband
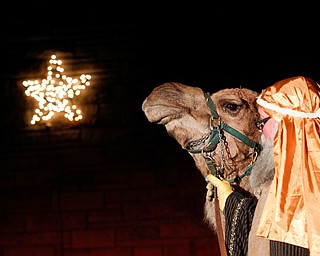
(214,138)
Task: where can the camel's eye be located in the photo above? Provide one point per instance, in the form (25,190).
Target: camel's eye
(231,107)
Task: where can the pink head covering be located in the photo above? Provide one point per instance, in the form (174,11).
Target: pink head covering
(292,210)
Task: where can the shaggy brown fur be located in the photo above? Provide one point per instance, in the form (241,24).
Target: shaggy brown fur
(184,112)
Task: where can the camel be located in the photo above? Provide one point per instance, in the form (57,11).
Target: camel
(187,114)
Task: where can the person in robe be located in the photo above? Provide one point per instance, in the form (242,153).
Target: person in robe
(285,220)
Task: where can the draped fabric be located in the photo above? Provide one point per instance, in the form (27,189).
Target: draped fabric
(292,210)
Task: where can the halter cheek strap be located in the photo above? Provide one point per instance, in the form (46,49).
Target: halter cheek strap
(215,138)
(229,129)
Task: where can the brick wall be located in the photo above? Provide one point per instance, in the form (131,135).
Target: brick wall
(112,185)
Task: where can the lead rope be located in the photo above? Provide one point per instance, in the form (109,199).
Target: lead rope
(215,170)
(222,245)
(219,172)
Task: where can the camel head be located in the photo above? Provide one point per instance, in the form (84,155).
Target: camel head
(187,116)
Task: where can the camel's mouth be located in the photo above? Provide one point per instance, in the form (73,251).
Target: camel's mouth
(164,120)
(202,144)
(161,114)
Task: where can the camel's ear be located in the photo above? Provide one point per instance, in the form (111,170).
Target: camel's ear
(249,95)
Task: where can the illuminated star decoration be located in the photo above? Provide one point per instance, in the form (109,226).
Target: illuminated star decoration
(55,93)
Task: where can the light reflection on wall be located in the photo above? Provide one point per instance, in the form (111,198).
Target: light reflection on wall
(55,94)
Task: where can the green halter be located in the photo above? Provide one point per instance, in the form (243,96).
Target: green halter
(214,139)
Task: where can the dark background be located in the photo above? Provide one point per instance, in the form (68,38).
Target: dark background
(116,184)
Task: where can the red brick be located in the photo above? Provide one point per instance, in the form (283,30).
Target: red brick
(105,215)
(206,246)
(29,251)
(82,200)
(148,251)
(182,228)
(99,252)
(158,209)
(126,195)
(43,221)
(73,220)
(148,179)
(12,222)
(53,221)
(177,250)
(136,232)
(93,239)
(42,199)
(156,242)
(39,238)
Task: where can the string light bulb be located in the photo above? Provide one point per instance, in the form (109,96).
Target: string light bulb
(55,93)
